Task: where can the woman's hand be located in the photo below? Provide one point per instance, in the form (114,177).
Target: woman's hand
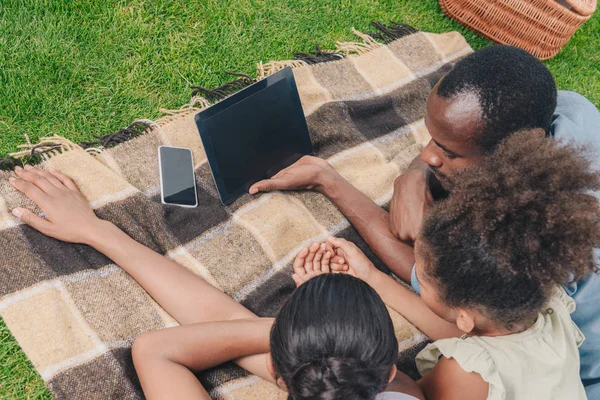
(310,262)
(68,216)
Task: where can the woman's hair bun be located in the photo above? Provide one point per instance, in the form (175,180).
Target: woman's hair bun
(335,378)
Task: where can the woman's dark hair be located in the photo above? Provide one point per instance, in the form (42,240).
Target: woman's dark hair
(514,228)
(333,339)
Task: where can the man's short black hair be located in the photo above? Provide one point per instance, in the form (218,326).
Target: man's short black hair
(516,91)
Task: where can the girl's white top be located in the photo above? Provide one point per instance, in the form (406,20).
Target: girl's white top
(539,363)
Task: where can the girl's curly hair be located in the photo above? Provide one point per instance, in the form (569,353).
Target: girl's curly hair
(514,228)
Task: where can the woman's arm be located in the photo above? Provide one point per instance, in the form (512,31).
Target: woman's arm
(404,384)
(184,295)
(164,359)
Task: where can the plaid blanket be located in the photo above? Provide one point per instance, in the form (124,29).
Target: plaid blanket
(75,314)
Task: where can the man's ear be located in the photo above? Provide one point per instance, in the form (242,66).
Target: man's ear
(271,368)
(393,372)
(465,320)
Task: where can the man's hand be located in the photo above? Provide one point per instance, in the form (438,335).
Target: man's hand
(356,262)
(410,204)
(307,173)
(68,216)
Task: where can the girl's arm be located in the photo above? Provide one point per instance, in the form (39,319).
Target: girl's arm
(411,306)
(448,381)
(184,295)
(404,301)
(164,359)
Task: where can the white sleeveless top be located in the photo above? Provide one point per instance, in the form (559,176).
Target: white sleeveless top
(539,363)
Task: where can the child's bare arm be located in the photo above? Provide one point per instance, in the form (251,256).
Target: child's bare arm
(396,296)
(448,381)
(165,359)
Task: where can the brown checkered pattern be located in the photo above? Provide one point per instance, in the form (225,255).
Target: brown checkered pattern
(75,313)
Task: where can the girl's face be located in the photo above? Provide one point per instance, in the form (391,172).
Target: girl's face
(429,290)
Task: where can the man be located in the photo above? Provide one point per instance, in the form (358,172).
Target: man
(487,96)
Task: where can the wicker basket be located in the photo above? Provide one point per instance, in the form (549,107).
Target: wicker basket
(542,27)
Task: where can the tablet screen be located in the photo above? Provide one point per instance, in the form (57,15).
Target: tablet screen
(255,137)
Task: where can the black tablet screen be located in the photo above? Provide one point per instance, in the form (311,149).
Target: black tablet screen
(256,137)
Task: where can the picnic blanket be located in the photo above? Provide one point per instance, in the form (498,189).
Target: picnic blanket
(75,314)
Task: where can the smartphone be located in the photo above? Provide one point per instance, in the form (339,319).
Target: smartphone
(177,179)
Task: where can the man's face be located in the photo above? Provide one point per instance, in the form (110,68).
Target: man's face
(452,124)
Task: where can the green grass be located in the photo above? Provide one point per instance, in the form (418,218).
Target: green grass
(84,68)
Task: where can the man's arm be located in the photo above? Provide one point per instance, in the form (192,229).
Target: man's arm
(370,220)
(372,223)
(411,201)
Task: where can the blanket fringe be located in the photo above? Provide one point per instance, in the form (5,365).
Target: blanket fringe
(318,56)
(196,103)
(226,89)
(392,32)
(136,129)
(357,48)
(30,153)
(264,70)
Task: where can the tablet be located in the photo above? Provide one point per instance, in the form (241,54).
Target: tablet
(254,133)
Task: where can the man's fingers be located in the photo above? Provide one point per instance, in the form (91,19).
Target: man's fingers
(31,219)
(29,189)
(30,175)
(65,180)
(266,185)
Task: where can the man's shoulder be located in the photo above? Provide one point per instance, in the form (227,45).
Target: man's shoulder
(576,119)
(573,104)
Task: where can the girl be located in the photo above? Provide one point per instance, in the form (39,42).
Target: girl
(333,339)
(491,260)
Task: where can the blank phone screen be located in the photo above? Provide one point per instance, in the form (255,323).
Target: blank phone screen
(177,176)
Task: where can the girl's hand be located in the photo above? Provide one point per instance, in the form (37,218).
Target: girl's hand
(310,262)
(68,216)
(357,263)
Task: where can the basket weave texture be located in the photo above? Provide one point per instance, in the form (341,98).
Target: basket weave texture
(542,27)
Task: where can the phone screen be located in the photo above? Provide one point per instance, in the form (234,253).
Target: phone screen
(178,185)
